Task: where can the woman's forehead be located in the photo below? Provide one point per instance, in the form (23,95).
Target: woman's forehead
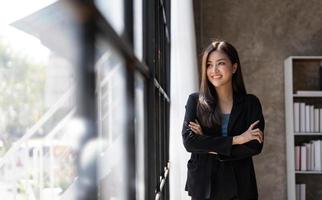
(217,56)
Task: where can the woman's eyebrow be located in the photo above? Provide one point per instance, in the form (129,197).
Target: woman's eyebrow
(221,59)
(224,59)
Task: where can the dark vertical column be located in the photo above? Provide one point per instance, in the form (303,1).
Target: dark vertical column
(168,46)
(130,136)
(86,102)
(166,109)
(149,44)
(129,21)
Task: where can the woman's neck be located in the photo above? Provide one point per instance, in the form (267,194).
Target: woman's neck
(225,98)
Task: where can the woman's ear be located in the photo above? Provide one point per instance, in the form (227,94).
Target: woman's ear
(235,67)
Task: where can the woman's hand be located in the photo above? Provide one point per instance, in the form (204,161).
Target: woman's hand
(195,127)
(250,134)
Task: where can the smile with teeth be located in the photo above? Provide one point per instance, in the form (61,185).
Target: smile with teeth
(216,76)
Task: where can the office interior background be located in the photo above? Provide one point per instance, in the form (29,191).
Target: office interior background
(93,92)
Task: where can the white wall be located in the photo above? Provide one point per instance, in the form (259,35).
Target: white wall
(183,82)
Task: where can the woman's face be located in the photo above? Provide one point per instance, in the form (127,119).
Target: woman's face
(220,69)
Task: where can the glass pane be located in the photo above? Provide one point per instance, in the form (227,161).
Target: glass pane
(139,134)
(112,115)
(37,62)
(138,28)
(113,11)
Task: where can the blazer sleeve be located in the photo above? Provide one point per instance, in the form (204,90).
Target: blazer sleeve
(202,143)
(252,147)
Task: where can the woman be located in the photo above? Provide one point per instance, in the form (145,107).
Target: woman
(223,129)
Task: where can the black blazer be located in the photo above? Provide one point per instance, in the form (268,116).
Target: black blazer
(231,172)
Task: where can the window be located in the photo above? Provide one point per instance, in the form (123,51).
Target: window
(157,56)
(86,114)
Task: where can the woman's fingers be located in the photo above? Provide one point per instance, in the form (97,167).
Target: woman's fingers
(260,133)
(257,136)
(253,125)
(196,131)
(193,123)
(195,128)
(255,130)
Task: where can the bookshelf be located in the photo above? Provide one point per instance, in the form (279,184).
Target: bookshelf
(301,78)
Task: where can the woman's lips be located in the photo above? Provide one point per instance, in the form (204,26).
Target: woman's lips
(216,77)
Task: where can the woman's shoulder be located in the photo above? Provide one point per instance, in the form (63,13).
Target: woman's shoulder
(193,98)
(252,96)
(194,95)
(252,99)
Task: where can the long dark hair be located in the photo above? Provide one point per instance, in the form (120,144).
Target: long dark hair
(208,111)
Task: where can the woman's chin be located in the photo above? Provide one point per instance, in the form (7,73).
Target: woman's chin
(218,84)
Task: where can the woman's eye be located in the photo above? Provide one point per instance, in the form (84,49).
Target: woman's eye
(221,63)
(208,65)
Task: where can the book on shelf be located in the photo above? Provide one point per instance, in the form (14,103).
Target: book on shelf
(302,117)
(309,92)
(320,78)
(297,191)
(311,118)
(316,120)
(303,158)
(300,192)
(297,117)
(307,118)
(308,156)
(312,157)
(320,120)
(317,155)
(297,157)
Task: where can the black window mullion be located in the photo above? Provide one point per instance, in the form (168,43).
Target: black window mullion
(128,21)
(161,22)
(130,136)
(150,173)
(164,156)
(149,44)
(166,4)
(160,136)
(158,50)
(158,140)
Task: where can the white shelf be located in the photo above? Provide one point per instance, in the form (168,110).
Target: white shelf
(292,137)
(308,172)
(305,57)
(308,95)
(308,134)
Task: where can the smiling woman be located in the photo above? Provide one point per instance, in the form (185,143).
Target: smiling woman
(223,129)
(220,69)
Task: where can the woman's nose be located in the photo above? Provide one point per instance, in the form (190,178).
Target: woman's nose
(215,68)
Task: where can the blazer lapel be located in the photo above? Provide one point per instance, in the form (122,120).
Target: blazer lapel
(235,111)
